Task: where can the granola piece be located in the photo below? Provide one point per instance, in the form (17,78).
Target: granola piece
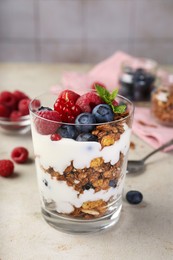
(108,174)
(108,140)
(97,189)
(76,212)
(120,128)
(60,177)
(96,162)
(94,177)
(104,127)
(69,168)
(105,184)
(91,212)
(50,170)
(93,204)
(98,183)
(81,176)
(101,134)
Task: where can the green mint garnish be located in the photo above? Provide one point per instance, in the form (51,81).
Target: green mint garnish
(108,98)
(119,109)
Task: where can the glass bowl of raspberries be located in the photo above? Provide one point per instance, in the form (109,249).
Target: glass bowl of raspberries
(14,112)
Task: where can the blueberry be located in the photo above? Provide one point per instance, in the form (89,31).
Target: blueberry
(113,183)
(88,186)
(84,137)
(84,122)
(150,79)
(44,108)
(67,131)
(103,113)
(142,84)
(134,197)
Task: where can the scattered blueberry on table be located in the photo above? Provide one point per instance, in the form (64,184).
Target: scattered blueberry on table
(134,197)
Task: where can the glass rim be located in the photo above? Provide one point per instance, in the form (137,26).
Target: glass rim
(94,124)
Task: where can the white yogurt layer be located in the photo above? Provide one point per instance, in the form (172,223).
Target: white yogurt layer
(59,154)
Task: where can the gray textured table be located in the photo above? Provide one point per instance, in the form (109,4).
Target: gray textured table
(143,232)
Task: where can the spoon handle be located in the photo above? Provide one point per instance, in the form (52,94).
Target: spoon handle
(158,149)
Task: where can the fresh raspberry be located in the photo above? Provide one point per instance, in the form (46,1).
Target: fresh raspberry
(69,95)
(15,116)
(8,99)
(55,137)
(23,106)
(67,109)
(115,103)
(47,122)
(19,95)
(4,111)
(97,83)
(6,168)
(19,154)
(36,105)
(88,101)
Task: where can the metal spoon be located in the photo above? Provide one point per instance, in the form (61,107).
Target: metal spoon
(139,165)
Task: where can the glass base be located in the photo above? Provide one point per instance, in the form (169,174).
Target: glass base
(77,226)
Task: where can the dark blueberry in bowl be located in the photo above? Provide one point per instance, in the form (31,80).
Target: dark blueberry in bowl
(103,113)
(67,131)
(84,122)
(86,137)
(134,197)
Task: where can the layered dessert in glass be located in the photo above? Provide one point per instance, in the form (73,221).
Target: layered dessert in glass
(81,143)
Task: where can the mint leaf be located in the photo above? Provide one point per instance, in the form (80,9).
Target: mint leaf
(103,93)
(113,94)
(108,98)
(119,109)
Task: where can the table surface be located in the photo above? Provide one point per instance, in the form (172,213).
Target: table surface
(144,231)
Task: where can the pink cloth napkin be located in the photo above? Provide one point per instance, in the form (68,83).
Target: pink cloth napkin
(106,72)
(150,131)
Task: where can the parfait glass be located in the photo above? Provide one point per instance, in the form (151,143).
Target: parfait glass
(80,182)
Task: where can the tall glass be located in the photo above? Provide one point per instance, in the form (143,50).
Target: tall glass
(81,182)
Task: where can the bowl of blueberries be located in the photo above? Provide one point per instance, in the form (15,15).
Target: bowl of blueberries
(137,82)
(14,112)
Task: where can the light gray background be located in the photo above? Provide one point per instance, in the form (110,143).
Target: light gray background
(85,30)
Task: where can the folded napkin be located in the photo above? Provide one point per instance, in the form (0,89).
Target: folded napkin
(150,131)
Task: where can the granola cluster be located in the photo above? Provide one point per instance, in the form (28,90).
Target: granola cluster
(162,110)
(108,134)
(99,176)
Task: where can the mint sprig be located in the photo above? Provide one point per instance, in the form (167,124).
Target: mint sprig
(108,98)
